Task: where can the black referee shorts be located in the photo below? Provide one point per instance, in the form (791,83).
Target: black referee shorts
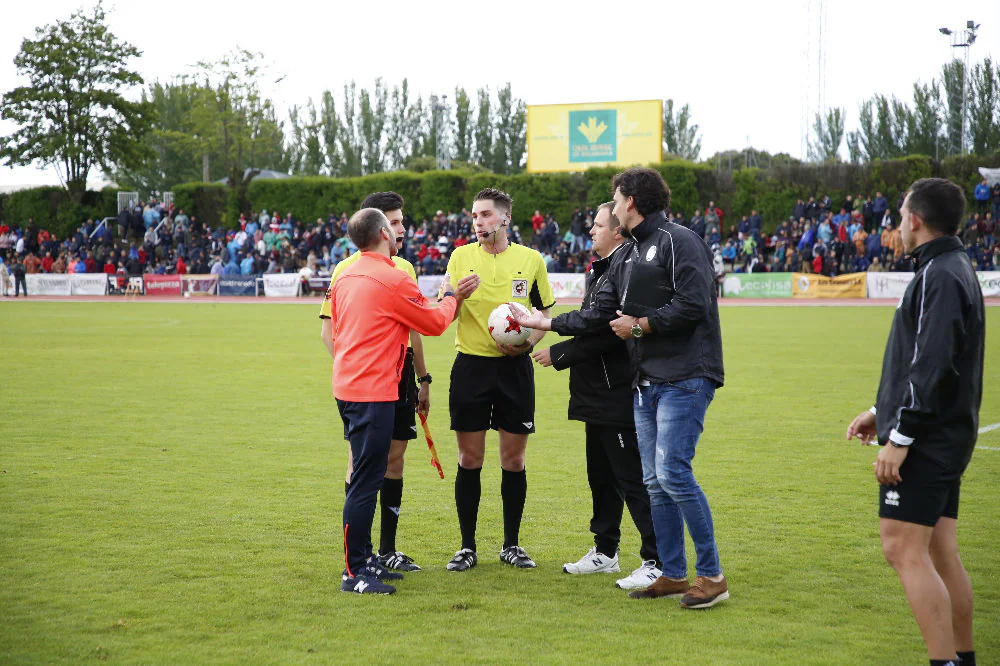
(405,426)
(926,493)
(492,393)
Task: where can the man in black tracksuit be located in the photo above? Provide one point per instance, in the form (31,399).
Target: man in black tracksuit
(926,416)
(600,395)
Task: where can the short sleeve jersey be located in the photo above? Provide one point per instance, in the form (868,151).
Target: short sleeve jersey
(401,264)
(517,274)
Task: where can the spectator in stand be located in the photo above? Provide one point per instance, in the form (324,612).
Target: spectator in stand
(729,255)
(246,266)
(698,224)
(879,206)
(799,210)
(824,232)
(577,227)
(995,196)
(32,264)
(876,266)
(987,231)
(896,243)
(982,196)
(859,238)
(817,264)
(537,222)
(59,265)
(47,262)
(712,223)
(756,224)
(868,214)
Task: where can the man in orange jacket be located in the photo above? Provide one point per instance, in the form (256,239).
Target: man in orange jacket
(373,307)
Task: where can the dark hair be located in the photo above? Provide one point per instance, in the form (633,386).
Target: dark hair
(613,222)
(646,186)
(384,201)
(365,227)
(939,202)
(499,198)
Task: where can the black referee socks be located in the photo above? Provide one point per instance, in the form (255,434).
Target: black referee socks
(390,499)
(513,490)
(468,488)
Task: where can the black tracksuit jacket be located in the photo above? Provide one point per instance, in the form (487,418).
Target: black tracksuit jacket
(686,338)
(932,372)
(600,390)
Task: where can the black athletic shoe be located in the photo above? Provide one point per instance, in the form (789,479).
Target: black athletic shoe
(365,585)
(374,569)
(516,557)
(464,559)
(398,562)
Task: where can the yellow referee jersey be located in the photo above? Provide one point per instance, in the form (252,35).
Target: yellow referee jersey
(517,274)
(401,264)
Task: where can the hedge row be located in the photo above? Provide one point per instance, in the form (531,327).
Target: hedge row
(772,192)
(53,209)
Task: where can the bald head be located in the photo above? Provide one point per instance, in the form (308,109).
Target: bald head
(365,228)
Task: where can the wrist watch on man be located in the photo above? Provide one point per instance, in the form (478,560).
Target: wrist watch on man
(636,329)
(425,379)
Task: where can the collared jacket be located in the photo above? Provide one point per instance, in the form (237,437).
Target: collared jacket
(685,341)
(932,372)
(373,306)
(600,389)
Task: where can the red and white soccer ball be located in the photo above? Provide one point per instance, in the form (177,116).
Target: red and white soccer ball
(504,328)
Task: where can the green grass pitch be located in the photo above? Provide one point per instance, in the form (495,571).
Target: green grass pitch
(172,480)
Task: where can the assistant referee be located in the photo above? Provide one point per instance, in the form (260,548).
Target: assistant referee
(493,385)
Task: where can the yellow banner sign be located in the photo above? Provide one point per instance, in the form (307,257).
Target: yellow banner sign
(575,137)
(810,285)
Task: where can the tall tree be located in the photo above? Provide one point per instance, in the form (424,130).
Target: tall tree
(348,136)
(237,122)
(173,155)
(397,139)
(372,121)
(828,134)
(329,128)
(73,114)
(984,108)
(511,130)
(484,130)
(924,128)
(463,125)
(680,136)
(954,98)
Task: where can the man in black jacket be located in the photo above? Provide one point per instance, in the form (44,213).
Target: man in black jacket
(601,396)
(926,416)
(661,299)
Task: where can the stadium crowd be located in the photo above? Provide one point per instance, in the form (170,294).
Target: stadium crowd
(861,234)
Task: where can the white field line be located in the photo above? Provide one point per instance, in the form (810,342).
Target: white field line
(986,429)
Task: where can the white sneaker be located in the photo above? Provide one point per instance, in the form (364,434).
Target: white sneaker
(593,562)
(641,578)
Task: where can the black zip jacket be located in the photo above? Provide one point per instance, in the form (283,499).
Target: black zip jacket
(932,373)
(686,338)
(600,388)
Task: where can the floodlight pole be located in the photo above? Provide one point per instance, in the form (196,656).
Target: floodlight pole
(963,39)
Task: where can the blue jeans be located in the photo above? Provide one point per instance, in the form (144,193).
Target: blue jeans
(669,419)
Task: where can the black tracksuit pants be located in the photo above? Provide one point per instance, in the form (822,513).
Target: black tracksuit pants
(614,471)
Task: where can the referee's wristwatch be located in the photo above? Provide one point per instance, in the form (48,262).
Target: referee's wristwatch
(426,378)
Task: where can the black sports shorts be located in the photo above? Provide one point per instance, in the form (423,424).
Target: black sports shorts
(405,427)
(492,393)
(926,493)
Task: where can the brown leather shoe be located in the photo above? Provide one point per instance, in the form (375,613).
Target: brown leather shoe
(661,587)
(705,593)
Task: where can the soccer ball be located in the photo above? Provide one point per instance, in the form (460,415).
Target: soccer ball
(504,328)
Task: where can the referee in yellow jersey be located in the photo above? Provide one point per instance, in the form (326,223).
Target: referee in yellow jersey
(493,385)
(411,399)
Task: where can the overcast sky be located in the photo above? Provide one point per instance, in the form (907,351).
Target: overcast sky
(748,70)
